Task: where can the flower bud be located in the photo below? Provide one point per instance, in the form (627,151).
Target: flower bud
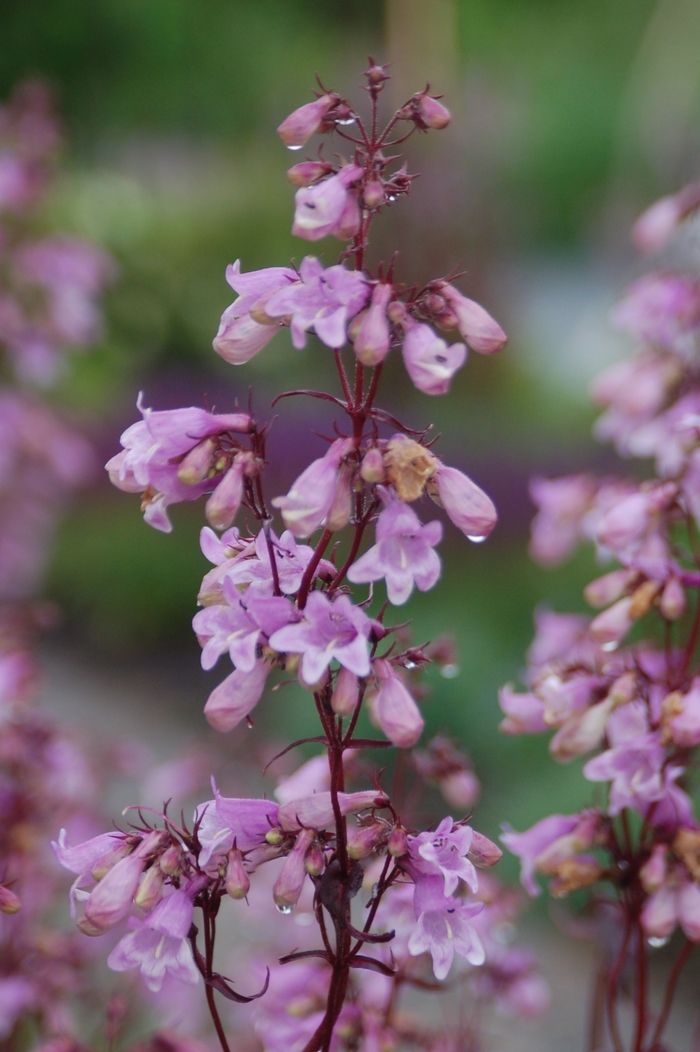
(372,469)
(171,861)
(371,345)
(432,113)
(582,731)
(341,508)
(657,225)
(222,506)
(398,842)
(196,465)
(290,882)
(237,880)
(395,710)
(365,840)
(9,902)
(609,588)
(373,194)
(470,509)
(308,172)
(609,627)
(150,890)
(345,694)
(110,858)
(672,602)
(659,916)
(315,861)
(643,599)
(460,788)
(300,125)
(481,332)
(316,812)
(653,873)
(483,852)
(111,900)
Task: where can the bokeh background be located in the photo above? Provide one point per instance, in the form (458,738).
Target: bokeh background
(569,118)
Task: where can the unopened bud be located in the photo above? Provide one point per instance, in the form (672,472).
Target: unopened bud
(366,839)
(237,880)
(623,689)
(345,694)
(643,599)
(341,508)
(222,506)
(672,602)
(301,124)
(315,861)
(483,852)
(308,172)
(171,861)
(432,113)
(377,75)
(150,889)
(372,469)
(110,858)
(398,842)
(608,588)
(197,464)
(653,873)
(373,194)
(290,882)
(9,903)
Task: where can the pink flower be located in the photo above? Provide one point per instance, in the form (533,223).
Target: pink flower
(634,763)
(323,299)
(158,944)
(662,309)
(111,900)
(311,497)
(303,122)
(328,630)
(469,508)
(561,503)
(394,709)
(328,207)
(290,882)
(683,723)
(430,362)
(475,324)
(236,696)
(291,559)
(444,852)
(152,449)
(403,554)
(529,845)
(657,224)
(443,927)
(677,902)
(238,627)
(241,335)
(317,812)
(226,819)
(524,712)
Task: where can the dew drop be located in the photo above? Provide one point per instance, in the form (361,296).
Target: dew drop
(608,647)
(656,942)
(347,121)
(475,539)
(286,910)
(299,147)
(410,665)
(391,198)
(449,671)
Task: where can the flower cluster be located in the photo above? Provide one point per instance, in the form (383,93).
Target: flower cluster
(624,684)
(279,599)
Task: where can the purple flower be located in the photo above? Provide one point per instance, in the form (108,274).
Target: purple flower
(524,712)
(662,309)
(291,559)
(242,333)
(444,852)
(237,628)
(317,811)
(236,696)
(635,762)
(328,207)
(561,503)
(373,340)
(677,902)
(403,553)
(470,509)
(443,927)
(530,844)
(82,859)
(312,495)
(328,630)
(226,819)
(324,300)
(303,122)
(149,462)
(158,944)
(430,362)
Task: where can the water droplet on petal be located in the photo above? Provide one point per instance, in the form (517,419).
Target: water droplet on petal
(391,198)
(656,942)
(286,910)
(410,664)
(295,147)
(476,540)
(449,671)
(347,121)
(612,645)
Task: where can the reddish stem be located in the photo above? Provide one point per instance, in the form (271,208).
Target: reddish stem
(312,567)
(671,992)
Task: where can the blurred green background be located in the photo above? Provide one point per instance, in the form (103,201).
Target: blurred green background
(568,119)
